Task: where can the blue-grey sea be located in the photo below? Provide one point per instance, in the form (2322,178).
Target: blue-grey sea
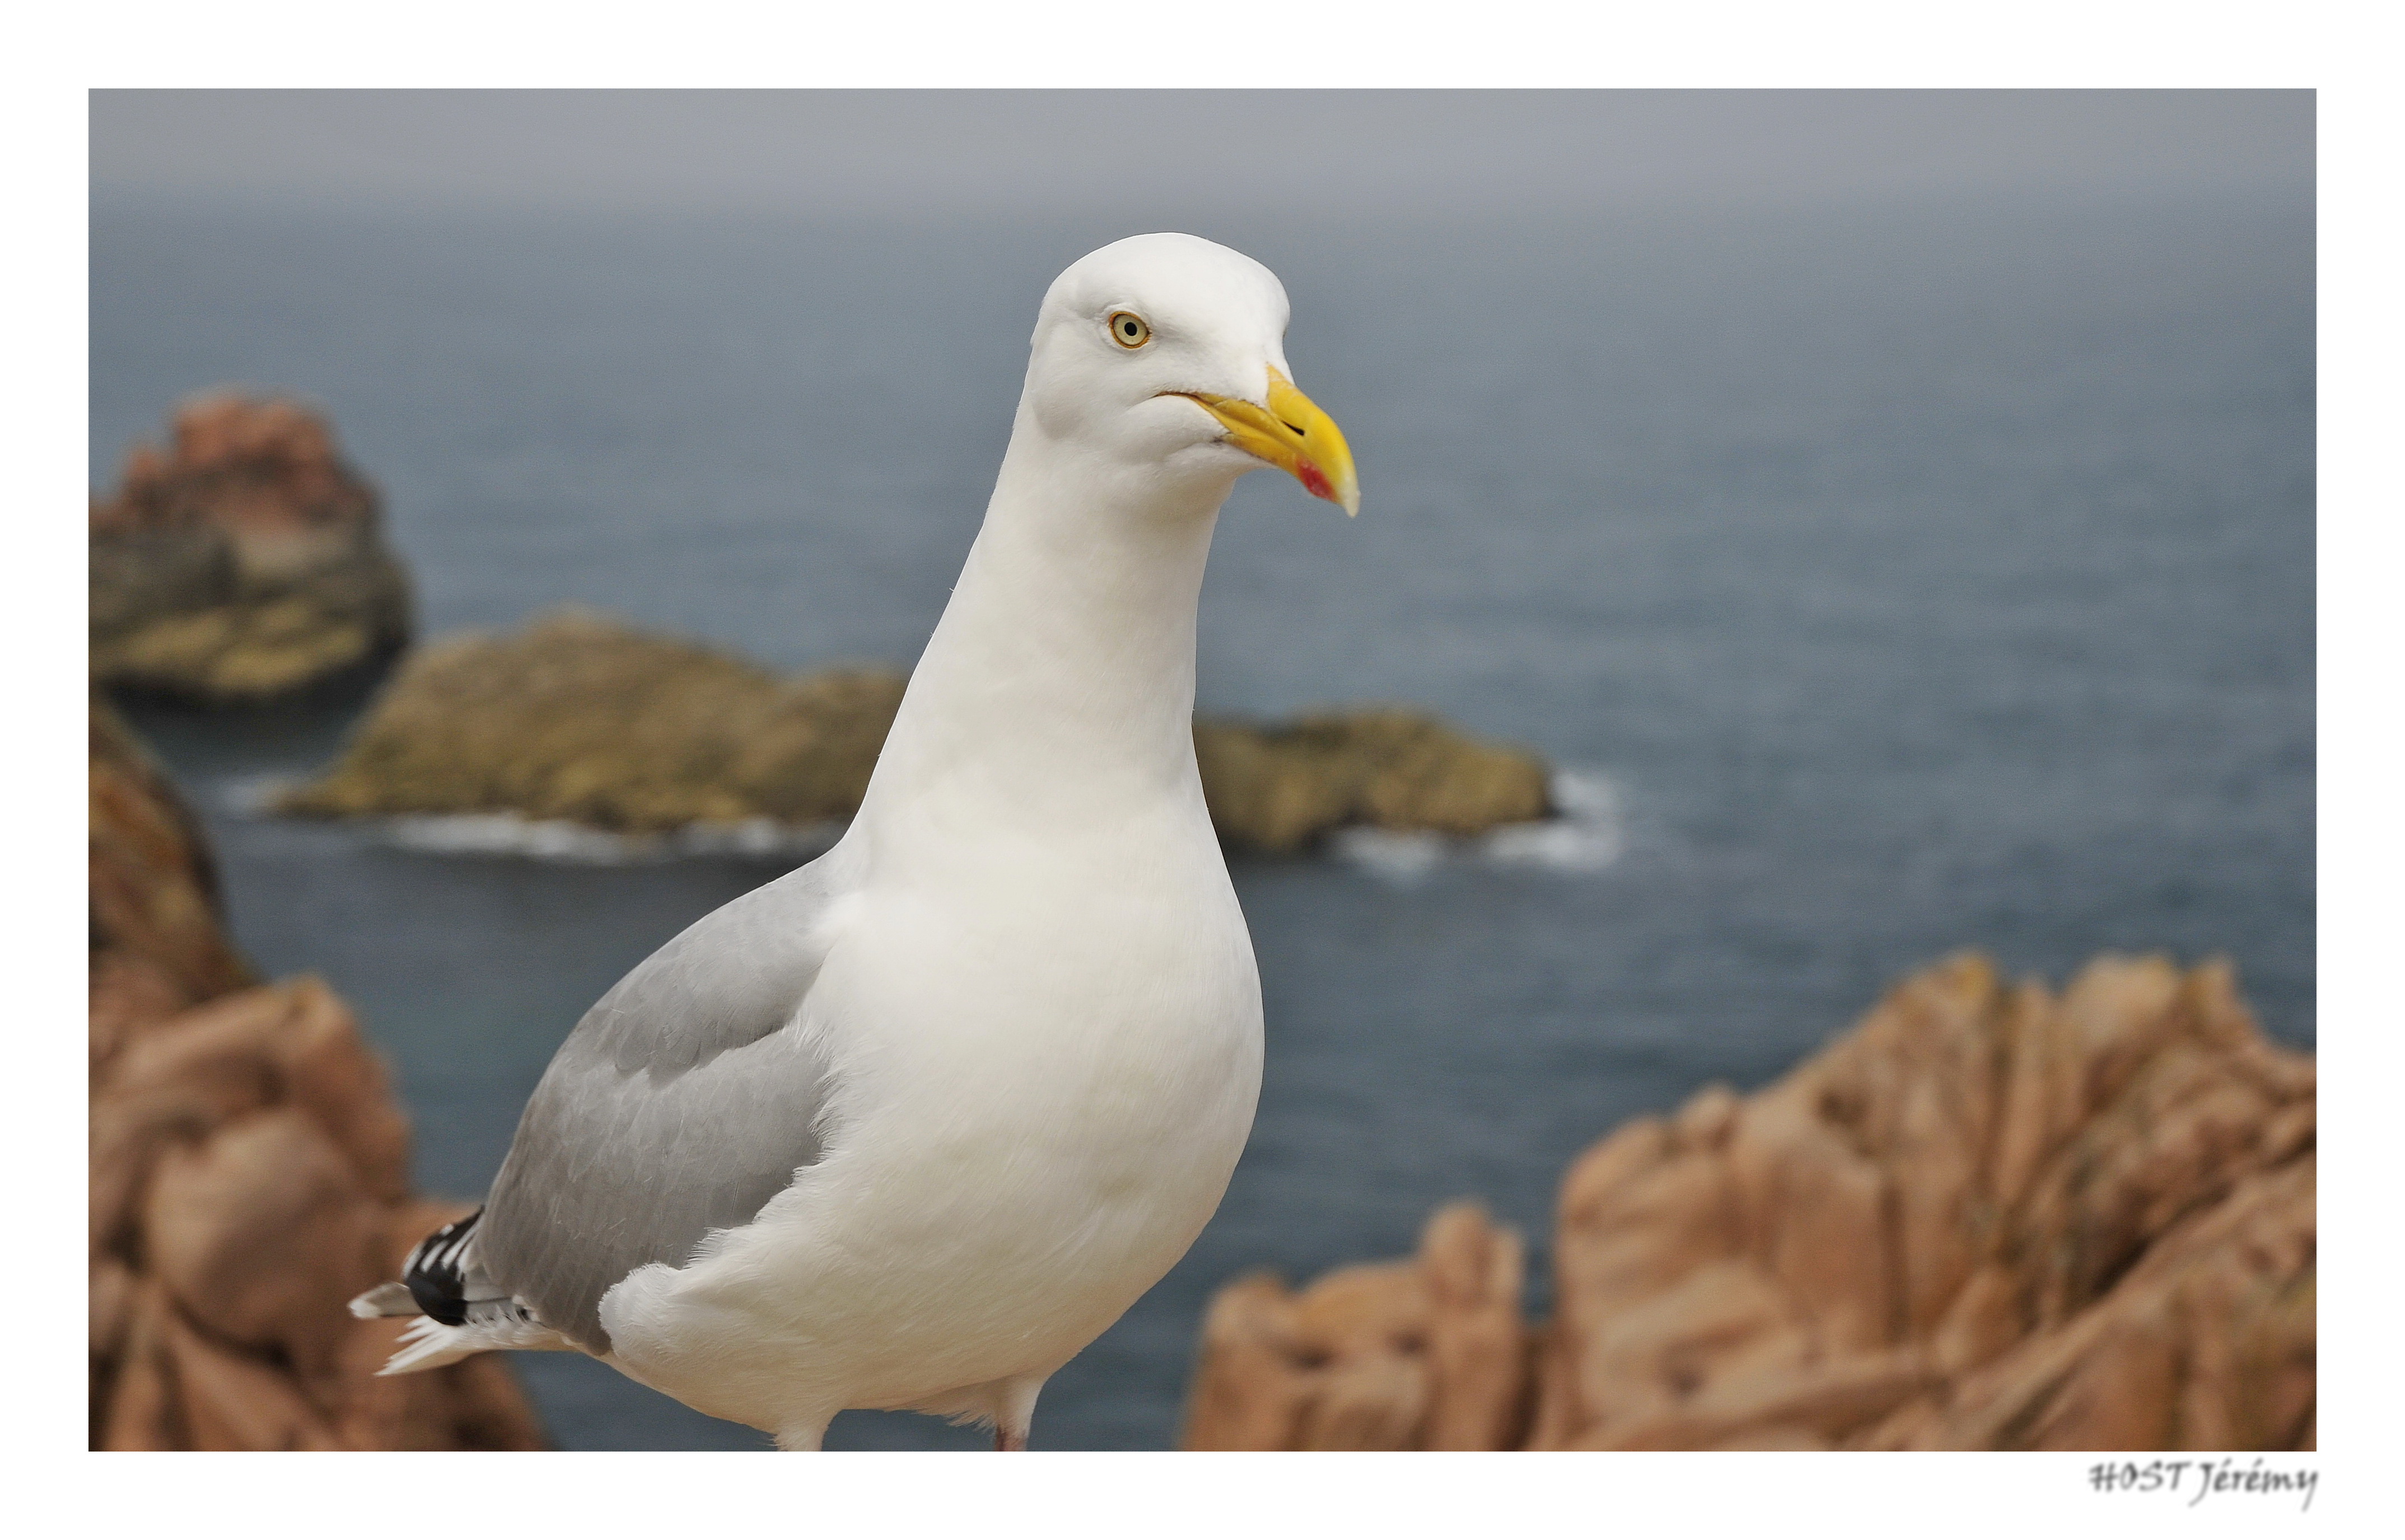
(1894,578)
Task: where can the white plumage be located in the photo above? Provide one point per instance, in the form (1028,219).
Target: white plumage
(910,1127)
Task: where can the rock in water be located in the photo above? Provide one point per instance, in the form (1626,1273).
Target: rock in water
(245,564)
(584,719)
(1278,788)
(249,1173)
(1988,1217)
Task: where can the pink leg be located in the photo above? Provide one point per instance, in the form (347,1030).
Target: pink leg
(1015,1412)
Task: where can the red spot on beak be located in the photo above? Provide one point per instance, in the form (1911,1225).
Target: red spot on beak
(1315,480)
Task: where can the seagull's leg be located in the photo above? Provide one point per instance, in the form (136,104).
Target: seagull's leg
(1015,1410)
(802,1436)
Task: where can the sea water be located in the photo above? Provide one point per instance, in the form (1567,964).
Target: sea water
(1884,579)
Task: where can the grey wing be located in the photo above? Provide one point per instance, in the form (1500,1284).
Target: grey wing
(686,1098)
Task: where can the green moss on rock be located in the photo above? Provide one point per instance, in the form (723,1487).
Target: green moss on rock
(581,718)
(1279,787)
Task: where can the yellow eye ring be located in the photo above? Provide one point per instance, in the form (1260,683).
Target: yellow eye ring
(1128,330)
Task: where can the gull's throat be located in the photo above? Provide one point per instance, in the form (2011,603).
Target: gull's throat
(1058,690)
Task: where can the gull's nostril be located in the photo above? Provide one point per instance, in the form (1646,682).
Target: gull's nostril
(1292,427)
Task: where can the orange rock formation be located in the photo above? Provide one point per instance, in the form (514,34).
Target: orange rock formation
(257,468)
(245,564)
(248,1176)
(1986,1218)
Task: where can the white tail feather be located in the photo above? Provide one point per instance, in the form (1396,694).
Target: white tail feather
(386,1299)
(429,1344)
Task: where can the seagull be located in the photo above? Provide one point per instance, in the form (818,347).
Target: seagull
(907,1127)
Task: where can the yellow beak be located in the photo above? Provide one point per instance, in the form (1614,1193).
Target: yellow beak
(1295,436)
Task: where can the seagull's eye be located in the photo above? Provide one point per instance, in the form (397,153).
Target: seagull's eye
(1128,328)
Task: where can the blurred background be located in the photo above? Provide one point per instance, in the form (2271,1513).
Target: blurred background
(1891,511)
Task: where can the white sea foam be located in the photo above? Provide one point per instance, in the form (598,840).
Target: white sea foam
(761,837)
(508,835)
(1398,856)
(577,844)
(253,796)
(1586,833)
(546,839)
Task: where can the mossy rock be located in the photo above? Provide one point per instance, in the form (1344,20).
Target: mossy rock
(584,719)
(1278,788)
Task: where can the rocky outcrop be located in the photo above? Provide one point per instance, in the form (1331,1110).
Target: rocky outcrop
(1279,787)
(581,719)
(1425,1354)
(248,1176)
(1988,1217)
(244,564)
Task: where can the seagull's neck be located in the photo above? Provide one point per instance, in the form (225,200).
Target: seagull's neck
(1057,694)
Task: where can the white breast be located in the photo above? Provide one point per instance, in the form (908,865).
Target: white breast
(1039,1098)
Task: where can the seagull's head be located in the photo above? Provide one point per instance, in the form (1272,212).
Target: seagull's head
(1166,354)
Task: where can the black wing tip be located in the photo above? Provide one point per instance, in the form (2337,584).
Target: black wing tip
(434,1275)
